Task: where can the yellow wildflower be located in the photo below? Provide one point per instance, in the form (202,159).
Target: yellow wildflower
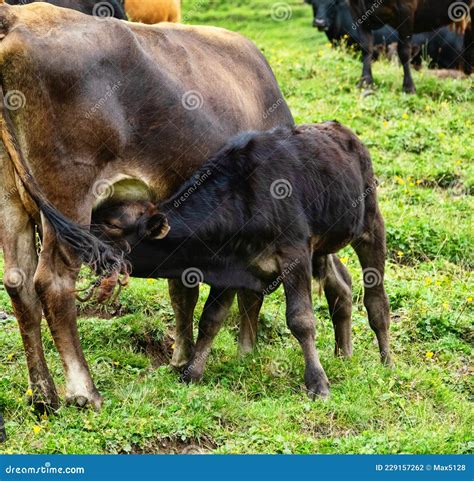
(29,392)
(404,116)
(429,355)
(344,260)
(36,429)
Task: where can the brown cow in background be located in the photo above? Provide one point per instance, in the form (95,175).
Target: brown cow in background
(153,11)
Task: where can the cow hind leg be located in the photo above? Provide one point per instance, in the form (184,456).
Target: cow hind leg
(55,283)
(183,301)
(20,258)
(215,311)
(371,250)
(337,285)
(250,303)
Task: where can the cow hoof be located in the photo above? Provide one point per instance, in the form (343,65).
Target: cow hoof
(409,89)
(365,83)
(79,400)
(43,402)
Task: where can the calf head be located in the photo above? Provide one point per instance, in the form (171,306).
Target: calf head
(125,224)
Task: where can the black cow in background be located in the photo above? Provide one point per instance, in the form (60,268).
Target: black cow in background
(98,8)
(443,46)
(335,19)
(409,17)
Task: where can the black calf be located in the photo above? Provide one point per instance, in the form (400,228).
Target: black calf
(268,209)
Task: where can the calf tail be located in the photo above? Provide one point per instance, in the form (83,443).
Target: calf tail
(101,257)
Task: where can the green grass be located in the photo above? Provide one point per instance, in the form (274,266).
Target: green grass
(423,155)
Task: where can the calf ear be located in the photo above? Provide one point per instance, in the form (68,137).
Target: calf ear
(157,227)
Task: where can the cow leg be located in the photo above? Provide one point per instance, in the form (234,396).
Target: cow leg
(183,301)
(300,319)
(371,250)
(404,54)
(20,258)
(367,46)
(55,283)
(20,265)
(215,311)
(468,47)
(250,303)
(338,291)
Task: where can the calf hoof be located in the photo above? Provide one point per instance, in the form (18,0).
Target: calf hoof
(191,375)
(182,355)
(409,89)
(386,359)
(93,399)
(317,386)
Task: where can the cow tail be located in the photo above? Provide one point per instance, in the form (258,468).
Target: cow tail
(101,257)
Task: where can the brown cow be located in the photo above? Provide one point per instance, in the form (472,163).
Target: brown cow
(153,11)
(97,103)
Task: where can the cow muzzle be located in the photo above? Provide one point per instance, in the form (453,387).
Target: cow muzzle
(320,24)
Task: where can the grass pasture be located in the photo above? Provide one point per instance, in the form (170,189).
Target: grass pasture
(423,152)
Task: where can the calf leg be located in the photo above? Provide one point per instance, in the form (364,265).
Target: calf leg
(300,318)
(20,257)
(183,301)
(371,250)
(215,311)
(250,303)
(55,281)
(338,291)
